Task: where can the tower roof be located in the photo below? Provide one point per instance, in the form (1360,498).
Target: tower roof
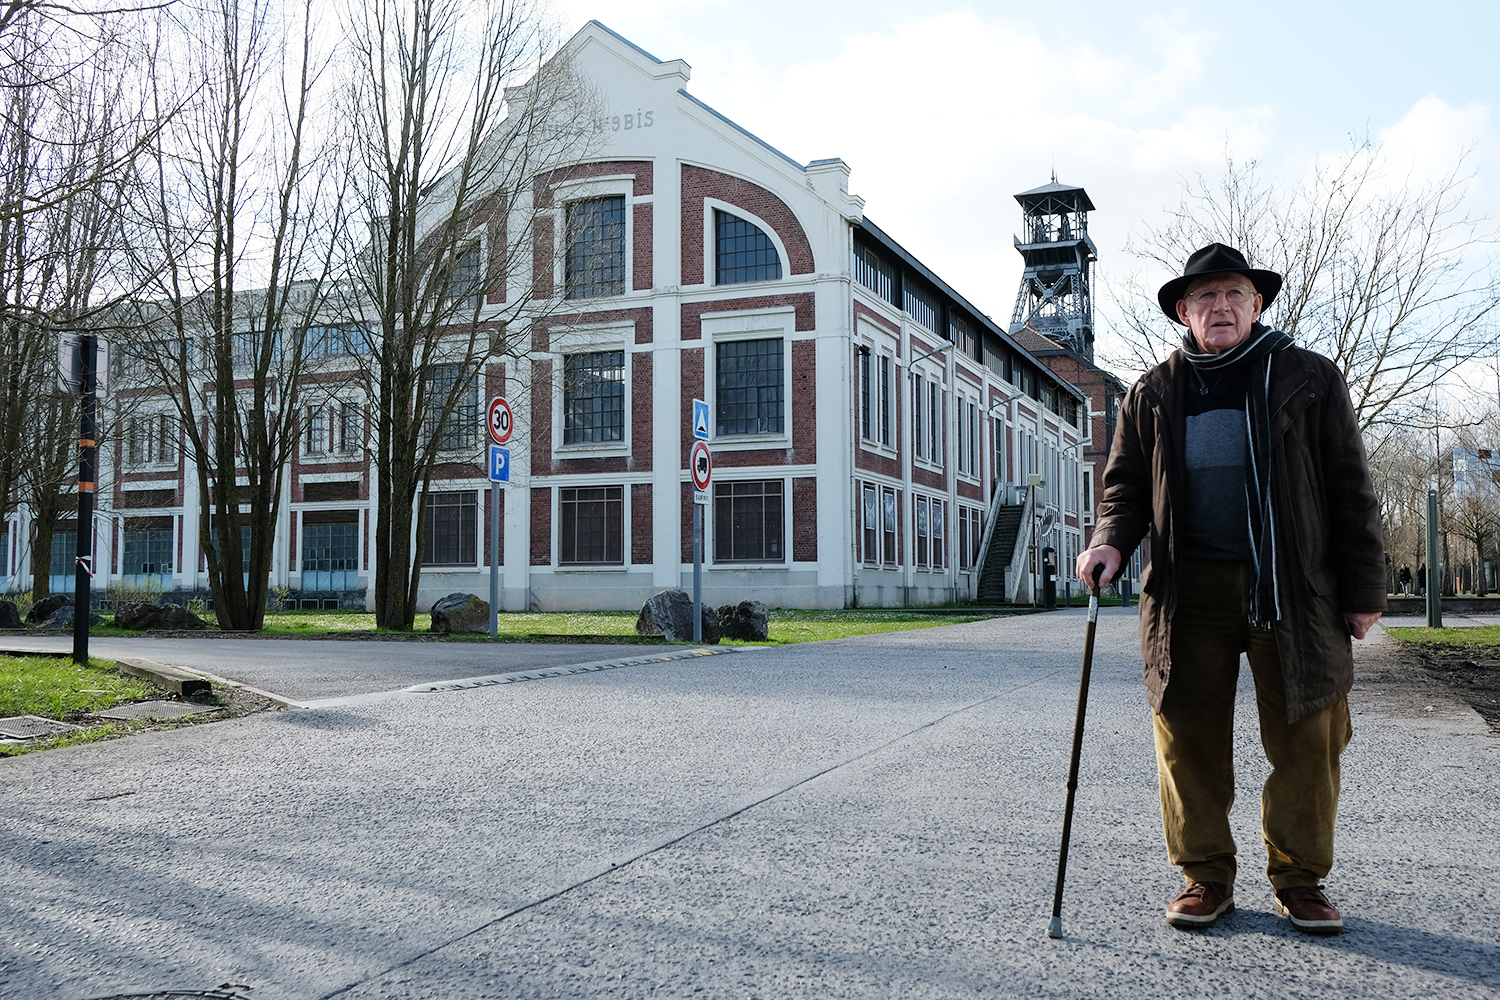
(1055,189)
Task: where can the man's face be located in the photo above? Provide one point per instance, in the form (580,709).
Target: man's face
(1220,311)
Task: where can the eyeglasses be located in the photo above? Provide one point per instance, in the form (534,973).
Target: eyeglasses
(1207,299)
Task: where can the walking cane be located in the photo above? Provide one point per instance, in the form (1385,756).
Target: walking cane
(1054,929)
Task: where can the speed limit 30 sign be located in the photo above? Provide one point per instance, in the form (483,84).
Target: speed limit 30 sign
(499,420)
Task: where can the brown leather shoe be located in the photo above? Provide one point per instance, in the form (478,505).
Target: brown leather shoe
(1308,910)
(1200,904)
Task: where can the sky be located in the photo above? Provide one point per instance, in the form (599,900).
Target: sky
(944,111)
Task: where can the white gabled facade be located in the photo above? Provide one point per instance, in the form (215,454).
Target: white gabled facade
(721,270)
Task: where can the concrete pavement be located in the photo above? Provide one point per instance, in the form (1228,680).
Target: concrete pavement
(873,817)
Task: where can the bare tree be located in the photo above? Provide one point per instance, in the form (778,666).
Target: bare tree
(235,244)
(1394,284)
(69,124)
(449,139)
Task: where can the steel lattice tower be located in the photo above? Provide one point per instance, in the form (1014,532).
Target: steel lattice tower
(1056,294)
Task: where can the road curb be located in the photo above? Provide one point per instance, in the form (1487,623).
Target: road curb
(577,668)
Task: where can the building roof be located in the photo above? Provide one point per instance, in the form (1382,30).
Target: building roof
(1056,188)
(879,236)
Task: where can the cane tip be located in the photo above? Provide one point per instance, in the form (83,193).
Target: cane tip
(1054,929)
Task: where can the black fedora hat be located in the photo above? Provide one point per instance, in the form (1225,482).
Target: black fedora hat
(1214,259)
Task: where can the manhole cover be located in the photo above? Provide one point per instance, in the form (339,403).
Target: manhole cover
(29,727)
(156,710)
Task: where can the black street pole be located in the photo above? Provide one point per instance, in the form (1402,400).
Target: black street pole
(88,453)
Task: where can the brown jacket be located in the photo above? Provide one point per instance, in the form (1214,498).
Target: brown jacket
(1330,556)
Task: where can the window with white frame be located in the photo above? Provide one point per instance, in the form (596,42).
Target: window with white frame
(927,419)
(888,522)
(591,526)
(750,522)
(594,397)
(452,410)
(315,430)
(349,428)
(870,524)
(866,395)
(595,259)
(450,529)
(886,375)
(968,437)
(918,415)
(150,439)
(464,285)
(920,534)
(749,387)
(742,251)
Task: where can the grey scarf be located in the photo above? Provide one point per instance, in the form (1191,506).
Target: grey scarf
(1255,351)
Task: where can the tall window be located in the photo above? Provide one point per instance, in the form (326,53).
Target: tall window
(315,431)
(150,439)
(935,510)
(596,248)
(885,400)
(888,526)
(935,422)
(748,383)
(465,284)
(864,394)
(594,397)
(871,537)
(968,438)
(450,529)
(918,415)
(742,251)
(461,428)
(748,522)
(4,553)
(63,570)
(591,525)
(921,532)
(350,427)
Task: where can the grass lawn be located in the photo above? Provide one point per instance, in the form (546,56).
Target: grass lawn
(786,626)
(59,689)
(1476,638)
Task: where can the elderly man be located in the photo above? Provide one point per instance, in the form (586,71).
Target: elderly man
(1241,455)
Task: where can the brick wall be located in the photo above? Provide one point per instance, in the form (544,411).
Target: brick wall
(641,411)
(699,183)
(641,247)
(642,540)
(692,388)
(804,520)
(541,526)
(541,258)
(804,402)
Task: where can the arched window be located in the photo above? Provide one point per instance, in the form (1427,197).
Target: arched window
(742,251)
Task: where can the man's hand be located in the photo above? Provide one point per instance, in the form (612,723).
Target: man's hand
(1100,555)
(1359,622)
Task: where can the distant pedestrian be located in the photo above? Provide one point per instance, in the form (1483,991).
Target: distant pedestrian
(1422,579)
(1405,579)
(1241,456)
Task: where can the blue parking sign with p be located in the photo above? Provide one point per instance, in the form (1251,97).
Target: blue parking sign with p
(499,464)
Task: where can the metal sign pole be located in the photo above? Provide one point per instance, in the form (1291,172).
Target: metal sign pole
(87,474)
(697,572)
(494,559)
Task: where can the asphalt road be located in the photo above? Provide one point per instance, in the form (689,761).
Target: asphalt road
(875,817)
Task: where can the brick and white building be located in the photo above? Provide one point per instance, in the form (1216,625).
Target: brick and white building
(869,422)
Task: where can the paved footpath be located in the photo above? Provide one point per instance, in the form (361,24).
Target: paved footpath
(874,817)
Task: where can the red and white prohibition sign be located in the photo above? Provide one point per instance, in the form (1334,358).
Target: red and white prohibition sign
(499,420)
(702,464)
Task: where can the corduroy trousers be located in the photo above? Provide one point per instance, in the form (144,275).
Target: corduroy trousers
(1195,740)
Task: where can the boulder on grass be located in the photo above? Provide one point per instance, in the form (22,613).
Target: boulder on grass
(157,616)
(47,607)
(63,618)
(670,614)
(461,613)
(9,616)
(745,620)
